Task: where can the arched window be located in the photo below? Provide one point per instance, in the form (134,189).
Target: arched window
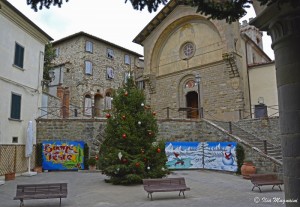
(87,105)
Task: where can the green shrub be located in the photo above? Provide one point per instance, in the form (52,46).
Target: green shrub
(240,155)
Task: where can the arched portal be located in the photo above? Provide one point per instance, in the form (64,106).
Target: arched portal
(192,102)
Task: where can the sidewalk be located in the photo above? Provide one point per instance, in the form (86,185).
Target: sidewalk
(208,189)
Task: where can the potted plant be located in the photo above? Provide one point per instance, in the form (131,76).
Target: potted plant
(38,158)
(247,169)
(10,175)
(92,163)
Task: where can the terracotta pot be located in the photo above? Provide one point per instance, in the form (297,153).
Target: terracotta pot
(92,167)
(38,169)
(247,169)
(10,176)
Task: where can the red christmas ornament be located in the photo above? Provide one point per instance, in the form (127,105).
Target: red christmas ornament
(124,136)
(124,160)
(96,157)
(123,117)
(150,133)
(154,113)
(108,116)
(137,164)
(145,159)
(142,151)
(126,93)
(158,150)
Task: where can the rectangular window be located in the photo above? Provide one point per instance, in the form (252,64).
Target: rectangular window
(57,52)
(127,59)
(88,46)
(141,85)
(19,56)
(15,140)
(88,67)
(126,76)
(15,109)
(110,53)
(110,73)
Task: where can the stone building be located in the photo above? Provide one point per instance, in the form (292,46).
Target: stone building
(86,71)
(179,44)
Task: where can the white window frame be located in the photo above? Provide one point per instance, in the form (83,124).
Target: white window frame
(110,53)
(110,74)
(127,59)
(57,52)
(87,105)
(89,46)
(88,66)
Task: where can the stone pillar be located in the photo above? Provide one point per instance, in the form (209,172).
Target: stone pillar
(283,24)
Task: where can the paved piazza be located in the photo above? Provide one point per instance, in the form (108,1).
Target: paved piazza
(208,188)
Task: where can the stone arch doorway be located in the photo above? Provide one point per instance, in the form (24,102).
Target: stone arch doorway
(97,104)
(192,102)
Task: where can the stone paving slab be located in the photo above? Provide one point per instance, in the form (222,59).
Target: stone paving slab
(208,189)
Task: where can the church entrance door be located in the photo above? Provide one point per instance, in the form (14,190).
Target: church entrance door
(192,102)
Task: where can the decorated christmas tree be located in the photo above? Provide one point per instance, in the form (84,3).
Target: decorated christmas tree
(130,151)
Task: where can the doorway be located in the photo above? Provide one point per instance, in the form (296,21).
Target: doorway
(192,102)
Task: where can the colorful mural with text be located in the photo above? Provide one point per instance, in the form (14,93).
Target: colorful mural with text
(63,155)
(207,155)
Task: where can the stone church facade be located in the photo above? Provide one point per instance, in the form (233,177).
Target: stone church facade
(179,44)
(89,69)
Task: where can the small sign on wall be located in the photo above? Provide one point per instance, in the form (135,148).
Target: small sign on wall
(63,155)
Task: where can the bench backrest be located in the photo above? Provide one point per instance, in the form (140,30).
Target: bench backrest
(263,177)
(35,189)
(164,181)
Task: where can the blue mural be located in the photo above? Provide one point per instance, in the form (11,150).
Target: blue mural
(207,155)
(63,155)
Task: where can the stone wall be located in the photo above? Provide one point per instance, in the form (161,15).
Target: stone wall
(267,128)
(91,130)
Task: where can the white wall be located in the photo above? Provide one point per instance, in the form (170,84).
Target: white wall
(262,80)
(25,82)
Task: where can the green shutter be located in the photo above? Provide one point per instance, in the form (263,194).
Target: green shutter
(15,112)
(19,56)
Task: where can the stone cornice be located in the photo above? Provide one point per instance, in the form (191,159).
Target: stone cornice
(15,16)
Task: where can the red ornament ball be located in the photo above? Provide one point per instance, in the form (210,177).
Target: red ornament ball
(137,164)
(158,150)
(154,113)
(108,116)
(126,93)
(124,160)
(123,117)
(124,136)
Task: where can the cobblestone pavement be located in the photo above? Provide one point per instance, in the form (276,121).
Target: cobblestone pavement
(208,188)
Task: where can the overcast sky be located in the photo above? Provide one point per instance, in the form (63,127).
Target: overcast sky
(111,20)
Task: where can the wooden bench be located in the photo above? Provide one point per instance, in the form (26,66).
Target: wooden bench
(265,179)
(165,185)
(41,191)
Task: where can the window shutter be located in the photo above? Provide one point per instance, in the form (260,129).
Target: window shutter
(15,112)
(88,67)
(19,56)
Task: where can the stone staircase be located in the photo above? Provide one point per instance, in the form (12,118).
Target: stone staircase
(254,141)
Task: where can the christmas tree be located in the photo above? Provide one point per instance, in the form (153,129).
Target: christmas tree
(130,151)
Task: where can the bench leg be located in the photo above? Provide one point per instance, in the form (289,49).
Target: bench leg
(21,203)
(278,187)
(150,195)
(60,201)
(182,191)
(257,187)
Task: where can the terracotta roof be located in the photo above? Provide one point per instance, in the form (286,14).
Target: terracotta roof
(95,38)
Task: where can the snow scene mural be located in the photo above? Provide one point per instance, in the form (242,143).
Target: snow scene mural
(207,155)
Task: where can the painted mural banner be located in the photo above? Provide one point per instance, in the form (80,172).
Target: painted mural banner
(205,155)
(63,155)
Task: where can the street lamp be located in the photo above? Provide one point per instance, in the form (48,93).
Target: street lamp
(197,80)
